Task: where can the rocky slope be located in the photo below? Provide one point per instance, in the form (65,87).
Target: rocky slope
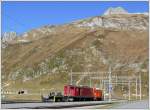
(123,22)
(46,55)
(7,37)
(117,10)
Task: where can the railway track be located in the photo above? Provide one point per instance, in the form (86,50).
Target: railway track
(54,105)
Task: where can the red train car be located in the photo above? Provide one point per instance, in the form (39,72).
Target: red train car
(97,94)
(86,92)
(70,90)
(81,93)
(75,93)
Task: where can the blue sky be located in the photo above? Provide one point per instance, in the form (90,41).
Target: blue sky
(24,16)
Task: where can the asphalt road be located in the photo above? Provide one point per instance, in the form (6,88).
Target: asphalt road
(143,104)
(122,104)
(54,105)
(92,107)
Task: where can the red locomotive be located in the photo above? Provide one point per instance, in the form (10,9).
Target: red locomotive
(82,93)
(76,93)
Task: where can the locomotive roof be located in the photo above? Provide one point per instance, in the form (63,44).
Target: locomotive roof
(79,86)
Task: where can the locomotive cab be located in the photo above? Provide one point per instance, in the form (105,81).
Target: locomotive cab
(81,93)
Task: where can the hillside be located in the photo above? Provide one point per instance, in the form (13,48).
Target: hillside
(43,57)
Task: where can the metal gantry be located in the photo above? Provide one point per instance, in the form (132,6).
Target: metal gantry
(107,78)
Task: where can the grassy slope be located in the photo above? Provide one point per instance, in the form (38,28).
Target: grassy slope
(125,46)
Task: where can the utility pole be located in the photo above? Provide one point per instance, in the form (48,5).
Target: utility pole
(110,86)
(140,87)
(116,80)
(136,89)
(129,90)
(71,77)
(122,85)
(101,84)
(104,90)
(90,82)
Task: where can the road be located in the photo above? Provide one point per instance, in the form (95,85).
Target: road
(143,104)
(121,104)
(53,105)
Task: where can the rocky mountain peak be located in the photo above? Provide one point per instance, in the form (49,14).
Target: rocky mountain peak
(8,36)
(116,10)
(117,18)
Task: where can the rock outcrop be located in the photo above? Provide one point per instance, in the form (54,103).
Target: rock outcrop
(123,22)
(117,10)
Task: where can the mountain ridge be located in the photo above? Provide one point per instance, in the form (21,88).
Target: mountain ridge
(116,10)
(113,17)
(123,22)
(47,55)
